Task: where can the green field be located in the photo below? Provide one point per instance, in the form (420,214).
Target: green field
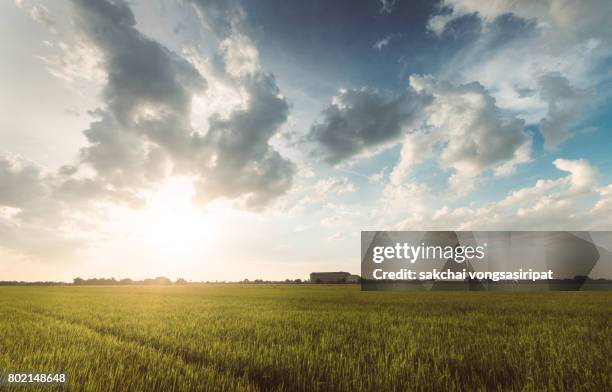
(307,338)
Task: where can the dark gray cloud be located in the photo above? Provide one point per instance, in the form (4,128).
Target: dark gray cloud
(563,108)
(145,124)
(147,96)
(244,162)
(361,119)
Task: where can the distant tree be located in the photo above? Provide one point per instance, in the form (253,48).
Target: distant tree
(78,281)
(181,281)
(162,280)
(297,281)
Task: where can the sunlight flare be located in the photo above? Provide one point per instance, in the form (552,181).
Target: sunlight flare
(170,223)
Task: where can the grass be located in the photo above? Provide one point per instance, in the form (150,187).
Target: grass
(307,338)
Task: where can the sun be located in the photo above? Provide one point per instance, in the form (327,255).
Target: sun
(170,224)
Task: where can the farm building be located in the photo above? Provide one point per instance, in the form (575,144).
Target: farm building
(333,277)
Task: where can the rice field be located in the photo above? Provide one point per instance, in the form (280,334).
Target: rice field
(306,338)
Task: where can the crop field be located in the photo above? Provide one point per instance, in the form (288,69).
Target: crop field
(306,338)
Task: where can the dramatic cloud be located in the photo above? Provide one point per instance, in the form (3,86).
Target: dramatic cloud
(147,96)
(361,119)
(182,93)
(465,132)
(244,164)
(555,47)
(460,127)
(145,128)
(143,132)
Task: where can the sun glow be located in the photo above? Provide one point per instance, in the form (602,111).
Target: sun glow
(170,224)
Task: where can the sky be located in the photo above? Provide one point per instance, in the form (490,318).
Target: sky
(228,139)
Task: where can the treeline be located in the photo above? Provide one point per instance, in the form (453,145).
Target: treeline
(21,283)
(163,281)
(159,281)
(260,281)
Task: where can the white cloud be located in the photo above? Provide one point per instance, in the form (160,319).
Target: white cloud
(37,11)
(583,176)
(307,193)
(222,17)
(416,147)
(240,55)
(563,203)
(75,61)
(603,206)
(378,177)
(383,43)
(529,194)
(467,134)
(334,185)
(387,6)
